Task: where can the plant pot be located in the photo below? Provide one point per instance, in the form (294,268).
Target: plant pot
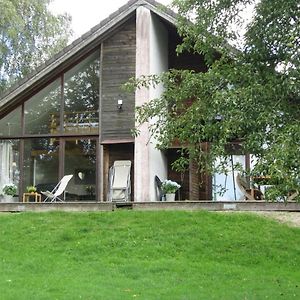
(170,197)
(8,199)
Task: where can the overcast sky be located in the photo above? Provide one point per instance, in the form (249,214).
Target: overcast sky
(88,13)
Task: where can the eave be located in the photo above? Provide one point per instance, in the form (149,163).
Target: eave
(81,47)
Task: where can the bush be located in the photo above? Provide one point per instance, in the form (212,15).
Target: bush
(31,189)
(9,189)
(169,186)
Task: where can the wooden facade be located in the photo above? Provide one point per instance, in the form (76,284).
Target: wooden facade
(118,65)
(195,185)
(183,178)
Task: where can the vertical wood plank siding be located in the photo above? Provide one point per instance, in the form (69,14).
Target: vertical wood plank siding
(205,180)
(118,66)
(196,186)
(182,178)
(194,181)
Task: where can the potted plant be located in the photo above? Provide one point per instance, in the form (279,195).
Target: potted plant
(169,189)
(9,190)
(90,190)
(31,189)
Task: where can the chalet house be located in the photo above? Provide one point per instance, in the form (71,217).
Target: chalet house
(71,115)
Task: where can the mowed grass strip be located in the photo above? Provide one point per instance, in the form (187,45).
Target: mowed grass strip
(147,255)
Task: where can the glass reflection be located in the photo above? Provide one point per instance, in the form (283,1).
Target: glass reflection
(41,164)
(10,125)
(80,160)
(81,95)
(42,110)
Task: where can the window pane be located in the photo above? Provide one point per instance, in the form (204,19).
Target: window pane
(81,95)
(42,110)
(10,125)
(41,164)
(80,160)
(9,163)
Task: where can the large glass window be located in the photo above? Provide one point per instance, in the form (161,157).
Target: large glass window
(42,110)
(41,163)
(80,160)
(10,125)
(68,106)
(81,96)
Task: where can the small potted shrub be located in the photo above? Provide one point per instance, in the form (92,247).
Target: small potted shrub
(31,189)
(169,189)
(9,190)
(90,190)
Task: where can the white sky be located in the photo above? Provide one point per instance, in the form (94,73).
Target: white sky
(88,13)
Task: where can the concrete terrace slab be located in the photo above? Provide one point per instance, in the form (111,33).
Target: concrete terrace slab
(217,206)
(176,205)
(68,207)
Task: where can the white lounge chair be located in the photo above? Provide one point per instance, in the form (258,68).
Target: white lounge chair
(119,181)
(59,189)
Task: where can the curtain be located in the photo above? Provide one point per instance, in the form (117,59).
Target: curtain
(227,182)
(6,163)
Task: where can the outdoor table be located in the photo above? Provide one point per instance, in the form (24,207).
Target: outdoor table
(37,197)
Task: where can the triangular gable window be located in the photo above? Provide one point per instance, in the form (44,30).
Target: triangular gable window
(68,105)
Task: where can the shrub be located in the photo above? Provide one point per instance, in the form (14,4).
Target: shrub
(169,186)
(9,189)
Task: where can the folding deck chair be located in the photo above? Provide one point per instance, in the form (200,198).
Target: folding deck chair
(119,181)
(59,189)
(248,193)
(158,183)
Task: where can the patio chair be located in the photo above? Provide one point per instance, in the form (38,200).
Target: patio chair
(59,189)
(119,181)
(158,183)
(249,193)
(292,196)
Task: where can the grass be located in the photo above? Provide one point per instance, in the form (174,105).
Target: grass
(147,255)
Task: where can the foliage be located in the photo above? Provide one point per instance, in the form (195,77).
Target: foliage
(169,186)
(90,189)
(147,255)
(249,96)
(29,34)
(9,189)
(31,189)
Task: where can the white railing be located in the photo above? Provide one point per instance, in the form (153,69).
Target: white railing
(83,121)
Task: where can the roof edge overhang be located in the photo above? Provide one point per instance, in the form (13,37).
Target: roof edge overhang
(78,49)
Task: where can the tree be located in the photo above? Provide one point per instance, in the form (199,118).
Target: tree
(29,34)
(249,96)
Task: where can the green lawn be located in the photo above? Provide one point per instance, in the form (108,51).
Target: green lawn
(147,255)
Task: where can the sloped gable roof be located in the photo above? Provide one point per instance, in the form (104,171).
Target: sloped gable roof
(79,48)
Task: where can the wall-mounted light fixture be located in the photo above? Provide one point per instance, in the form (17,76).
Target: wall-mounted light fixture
(120,104)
